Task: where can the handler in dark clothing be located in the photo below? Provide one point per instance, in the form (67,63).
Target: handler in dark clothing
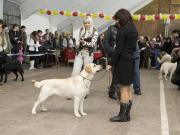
(15,39)
(109,44)
(123,62)
(136,81)
(176,58)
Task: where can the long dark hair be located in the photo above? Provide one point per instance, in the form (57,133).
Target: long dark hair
(33,36)
(123,16)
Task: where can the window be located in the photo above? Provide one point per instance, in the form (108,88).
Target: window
(11,13)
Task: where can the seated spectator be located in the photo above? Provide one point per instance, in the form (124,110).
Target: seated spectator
(68,42)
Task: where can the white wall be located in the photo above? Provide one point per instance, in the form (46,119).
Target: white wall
(36,22)
(1,9)
(76,34)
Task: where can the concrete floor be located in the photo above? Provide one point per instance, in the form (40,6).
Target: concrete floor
(17,99)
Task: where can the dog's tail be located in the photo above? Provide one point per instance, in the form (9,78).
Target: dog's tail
(37,84)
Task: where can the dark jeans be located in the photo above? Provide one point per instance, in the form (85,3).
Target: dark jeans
(136,81)
(114,88)
(14,51)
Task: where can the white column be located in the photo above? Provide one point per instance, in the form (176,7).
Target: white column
(167,24)
(1,9)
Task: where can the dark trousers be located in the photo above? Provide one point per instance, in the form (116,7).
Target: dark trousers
(136,81)
(14,51)
(114,88)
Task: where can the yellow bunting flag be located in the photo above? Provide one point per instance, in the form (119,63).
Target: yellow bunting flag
(108,17)
(149,17)
(178,16)
(164,16)
(55,12)
(94,15)
(42,11)
(82,15)
(136,17)
(68,13)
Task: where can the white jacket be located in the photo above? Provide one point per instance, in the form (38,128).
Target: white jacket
(33,46)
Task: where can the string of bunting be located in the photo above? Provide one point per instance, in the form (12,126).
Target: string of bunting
(109,17)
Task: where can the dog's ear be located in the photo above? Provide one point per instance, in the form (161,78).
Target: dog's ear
(88,69)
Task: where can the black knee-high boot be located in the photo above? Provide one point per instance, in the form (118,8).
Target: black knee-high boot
(128,110)
(121,117)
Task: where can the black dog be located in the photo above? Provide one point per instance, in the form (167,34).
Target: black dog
(8,65)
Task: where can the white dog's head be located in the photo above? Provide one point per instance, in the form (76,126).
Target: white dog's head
(92,68)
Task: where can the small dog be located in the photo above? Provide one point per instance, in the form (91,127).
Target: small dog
(74,87)
(167,67)
(9,65)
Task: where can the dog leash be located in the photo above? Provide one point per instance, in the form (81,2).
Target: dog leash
(94,79)
(84,78)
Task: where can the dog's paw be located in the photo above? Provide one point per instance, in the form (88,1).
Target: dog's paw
(78,115)
(44,110)
(83,114)
(34,112)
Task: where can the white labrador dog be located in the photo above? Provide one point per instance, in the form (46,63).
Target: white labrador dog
(167,67)
(74,87)
(164,57)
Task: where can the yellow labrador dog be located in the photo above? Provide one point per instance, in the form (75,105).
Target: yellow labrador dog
(74,87)
(166,65)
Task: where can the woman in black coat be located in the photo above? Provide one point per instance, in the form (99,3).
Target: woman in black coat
(176,77)
(123,62)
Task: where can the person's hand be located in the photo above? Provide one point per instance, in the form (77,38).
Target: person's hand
(176,49)
(108,67)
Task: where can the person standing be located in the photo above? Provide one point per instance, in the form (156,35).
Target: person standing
(87,42)
(15,39)
(9,45)
(3,42)
(109,44)
(123,62)
(34,45)
(136,81)
(23,37)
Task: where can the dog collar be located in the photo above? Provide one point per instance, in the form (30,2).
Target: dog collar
(84,78)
